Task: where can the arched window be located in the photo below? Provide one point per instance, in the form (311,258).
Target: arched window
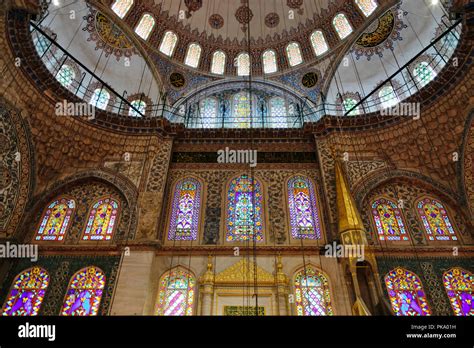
(218,63)
(319,43)
(278,113)
(459,285)
(184,221)
(193,55)
(42,45)
(100,98)
(176,295)
(294,54)
(103,218)
(367,6)
(27,293)
(435,220)
(387,97)
(84,292)
(312,293)
(424,73)
(243,64)
(242,108)
(244,219)
(388,220)
(348,104)
(342,26)
(121,7)
(140,107)
(168,43)
(303,206)
(145,27)
(66,75)
(406,293)
(55,220)
(269,62)
(209,113)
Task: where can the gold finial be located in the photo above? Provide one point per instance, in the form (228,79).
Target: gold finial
(209,263)
(281,277)
(348,215)
(208,276)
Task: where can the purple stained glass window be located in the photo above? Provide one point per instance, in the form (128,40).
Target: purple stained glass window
(435,220)
(388,220)
(459,285)
(303,206)
(406,293)
(312,294)
(27,293)
(176,295)
(184,222)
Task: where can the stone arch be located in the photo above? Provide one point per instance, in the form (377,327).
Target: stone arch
(114,184)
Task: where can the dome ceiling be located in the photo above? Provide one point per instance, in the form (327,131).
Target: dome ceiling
(231,20)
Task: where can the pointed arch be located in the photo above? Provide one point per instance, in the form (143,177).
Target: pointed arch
(84,292)
(185,210)
(102,221)
(305,221)
(406,293)
(27,293)
(435,219)
(459,285)
(176,293)
(56,219)
(244,210)
(312,292)
(388,220)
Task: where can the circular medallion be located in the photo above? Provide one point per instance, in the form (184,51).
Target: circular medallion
(272,20)
(177,80)
(216,21)
(5,177)
(310,80)
(244,14)
(4,144)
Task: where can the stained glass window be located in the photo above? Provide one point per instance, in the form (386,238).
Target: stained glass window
(244,210)
(121,7)
(367,6)
(193,55)
(140,105)
(27,293)
(278,113)
(41,44)
(406,293)
(342,26)
(209,113)
(269,62)
(348,104)
(387,96)
(319,43)
(102,220)
(242,109)
(184,222)
(243,64)
(168,43)
(312,294)
(435,220)
(55,220)
(84,292)
(294,54)
(66,75)
(176,295)
(218,63)
(459,285)
(424,73)
(303,206)
(388,220)
(100,98)
(145,27)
